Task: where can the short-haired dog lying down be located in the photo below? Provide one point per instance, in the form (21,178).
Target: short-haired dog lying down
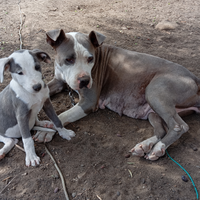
(135,84)
(21,101)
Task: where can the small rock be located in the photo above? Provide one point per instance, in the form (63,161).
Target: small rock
(103,166)
(166,25)
(118,135)
(43,154)
(118,193)
(81,175)
(78,7)
(56,190)
(127,155)
(123,28)
(56,176)
(184,178)
(143,181)
(193,147)
(82,165)
(73,194)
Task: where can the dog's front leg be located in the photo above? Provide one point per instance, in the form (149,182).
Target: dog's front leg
(56,86)
(87,104)
(49,110)
(72,115)
(23,123)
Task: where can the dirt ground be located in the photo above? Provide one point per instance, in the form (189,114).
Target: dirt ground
(94,163)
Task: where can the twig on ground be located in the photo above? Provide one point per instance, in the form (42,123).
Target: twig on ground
(19,147)
(99,197)
(61,176)
(21,23)
(8,184)
(6,178)
(130,173)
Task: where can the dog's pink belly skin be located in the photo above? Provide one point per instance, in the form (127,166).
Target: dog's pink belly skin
(127,107)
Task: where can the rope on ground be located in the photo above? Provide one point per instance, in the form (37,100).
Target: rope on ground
(185,172)
(61,176)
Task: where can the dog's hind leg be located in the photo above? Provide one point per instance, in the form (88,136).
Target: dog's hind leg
(176,128)
(9,143)
(163,95)
(43,136)
(159,132)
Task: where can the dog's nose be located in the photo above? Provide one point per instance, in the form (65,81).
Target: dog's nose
(37,87)
(84,81)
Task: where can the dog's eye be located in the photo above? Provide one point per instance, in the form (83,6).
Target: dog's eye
(37,67)
(70,60)
(20,73)
(90,59)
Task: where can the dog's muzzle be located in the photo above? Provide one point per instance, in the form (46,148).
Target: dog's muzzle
(84,81)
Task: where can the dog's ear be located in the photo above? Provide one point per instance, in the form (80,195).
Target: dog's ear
(41,55)
(96,38)
(55,37)
(4,65)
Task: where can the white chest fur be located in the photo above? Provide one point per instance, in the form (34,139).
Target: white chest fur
(34,101)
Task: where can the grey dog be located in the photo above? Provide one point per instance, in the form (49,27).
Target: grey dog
(21,101)
(135,84)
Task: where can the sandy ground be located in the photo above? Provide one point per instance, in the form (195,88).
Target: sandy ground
(93,163)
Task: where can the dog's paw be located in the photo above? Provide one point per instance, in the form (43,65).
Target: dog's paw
(156,152)
(144,147)
(32,160)
(42,136)
(9,144)
(66,134)
(45,124)
(137,150)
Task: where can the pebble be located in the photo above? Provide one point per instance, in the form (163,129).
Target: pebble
(118,193)
(81,175)
(143,181)
(118,135)
(123,28)
(127,155)
(56,190)
(56,176)
(194,148)
(42,155)
(73,194)
(166,25)
(184,178)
